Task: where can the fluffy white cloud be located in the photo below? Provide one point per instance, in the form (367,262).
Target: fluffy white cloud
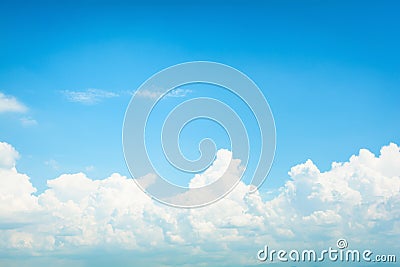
(10,104)
(216,170)
(8,156)
(358,200)
(16,199)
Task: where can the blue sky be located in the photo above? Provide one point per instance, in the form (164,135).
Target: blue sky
(329,70)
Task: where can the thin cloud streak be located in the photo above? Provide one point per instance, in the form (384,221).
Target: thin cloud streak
(155,94)
(89,96)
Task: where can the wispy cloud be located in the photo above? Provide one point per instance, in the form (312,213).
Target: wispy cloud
(52,163)
(11,104)
(28,121)
(89,96)
(179,92)
(155,94)
(89,168)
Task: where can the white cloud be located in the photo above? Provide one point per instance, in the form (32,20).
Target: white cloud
(26,121)
(358,200)
(16,190)
(8,156)
(155,94)
(216,170)
(52,163)
(179,92)
(90,168)
(89,96)
(11,104)
(149,94)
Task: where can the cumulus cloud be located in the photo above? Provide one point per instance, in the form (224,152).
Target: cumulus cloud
(88,96)
(16,199)
(11,104)
(358,199)
(217,169)
(8,156)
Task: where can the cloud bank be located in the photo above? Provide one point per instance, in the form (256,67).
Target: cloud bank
(358,200)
